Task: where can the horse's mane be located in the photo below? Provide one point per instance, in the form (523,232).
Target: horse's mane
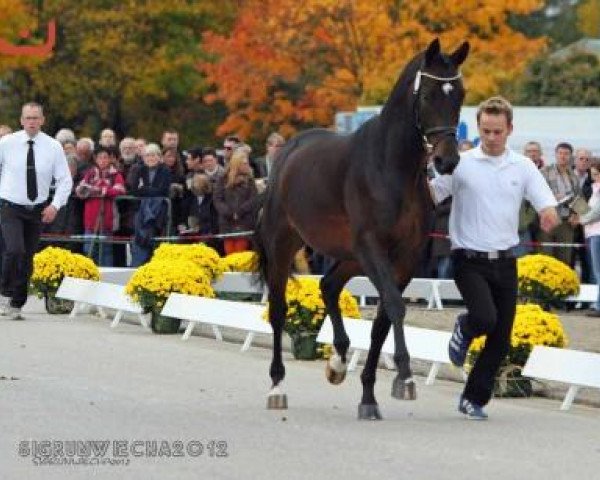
(398,94)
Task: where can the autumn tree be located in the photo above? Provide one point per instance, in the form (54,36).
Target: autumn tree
(287,65)
(18,21)
(130,66)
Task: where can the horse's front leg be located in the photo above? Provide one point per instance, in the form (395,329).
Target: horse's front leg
(403,386)
(368,408)
(277,312)
(377,265)
(332,284)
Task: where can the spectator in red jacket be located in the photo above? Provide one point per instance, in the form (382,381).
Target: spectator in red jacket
(100,185)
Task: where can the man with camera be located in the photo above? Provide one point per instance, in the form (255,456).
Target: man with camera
(565,187)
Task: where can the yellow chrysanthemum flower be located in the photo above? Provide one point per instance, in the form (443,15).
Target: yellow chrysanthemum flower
(52,264)
(306,309)
(240,262)
(152,283)
(546,279)
(199,254)
(532,326)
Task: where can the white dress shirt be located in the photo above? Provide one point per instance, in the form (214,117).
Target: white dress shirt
(487,195)
(50,163)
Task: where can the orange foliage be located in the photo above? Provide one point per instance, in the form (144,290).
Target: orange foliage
(16,20)
(287,65)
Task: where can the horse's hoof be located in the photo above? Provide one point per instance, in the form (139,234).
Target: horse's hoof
(404,389)
(335,370)
(276,400)
(369,412)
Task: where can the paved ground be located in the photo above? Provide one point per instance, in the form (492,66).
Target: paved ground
(81,381)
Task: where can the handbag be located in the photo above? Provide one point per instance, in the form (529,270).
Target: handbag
(578,205)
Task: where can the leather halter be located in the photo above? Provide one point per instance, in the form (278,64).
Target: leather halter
(443,130)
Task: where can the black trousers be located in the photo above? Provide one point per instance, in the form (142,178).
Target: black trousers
(489,290)
(21,231)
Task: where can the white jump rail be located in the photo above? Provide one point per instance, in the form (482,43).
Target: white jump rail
(217,313)
(588,293)
(100,294)
(573,367)
(434,291)
(116,275)
(236,282)
(422,343)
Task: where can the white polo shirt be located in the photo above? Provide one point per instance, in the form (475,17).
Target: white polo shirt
(50,163)
(487,195)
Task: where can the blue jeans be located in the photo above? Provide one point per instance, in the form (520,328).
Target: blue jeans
(102,252)
(522,250)
(444,267)
(140,254)
(593,248)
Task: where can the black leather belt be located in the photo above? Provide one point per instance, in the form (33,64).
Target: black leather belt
(18,206)
(493,255)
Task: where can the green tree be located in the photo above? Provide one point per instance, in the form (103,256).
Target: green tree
(555,19)
(574,81)
(18,22)
(130,66)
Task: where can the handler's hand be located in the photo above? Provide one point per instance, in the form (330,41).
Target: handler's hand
(49,214)
(548,219)
(574,219)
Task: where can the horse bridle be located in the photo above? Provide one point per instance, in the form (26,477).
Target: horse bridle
(444,130)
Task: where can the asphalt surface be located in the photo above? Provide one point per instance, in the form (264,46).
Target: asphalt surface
(144,399)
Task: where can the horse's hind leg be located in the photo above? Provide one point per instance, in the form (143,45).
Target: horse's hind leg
(283,246)
(368,408)
(332,284)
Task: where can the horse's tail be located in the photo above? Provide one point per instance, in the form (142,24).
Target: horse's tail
(260,250)
(267,206)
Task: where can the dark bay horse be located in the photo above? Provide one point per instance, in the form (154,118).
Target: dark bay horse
(363,200)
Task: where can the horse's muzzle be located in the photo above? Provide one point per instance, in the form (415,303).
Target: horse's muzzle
(445,165)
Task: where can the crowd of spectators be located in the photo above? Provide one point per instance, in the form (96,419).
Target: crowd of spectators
(573,178)
(132,190)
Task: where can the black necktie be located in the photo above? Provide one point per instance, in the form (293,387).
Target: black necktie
(31,177)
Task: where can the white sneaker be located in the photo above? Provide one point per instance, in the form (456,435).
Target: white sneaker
(14,313)
(4,305)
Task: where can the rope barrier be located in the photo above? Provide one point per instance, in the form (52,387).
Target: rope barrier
(63,237)
(528,244)
(120,239)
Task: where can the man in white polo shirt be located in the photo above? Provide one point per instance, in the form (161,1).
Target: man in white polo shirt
(29,160)
(488,187)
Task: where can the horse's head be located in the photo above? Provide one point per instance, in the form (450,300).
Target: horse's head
(439,93)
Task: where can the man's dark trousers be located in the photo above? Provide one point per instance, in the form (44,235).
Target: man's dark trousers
(21,229)
(489,290)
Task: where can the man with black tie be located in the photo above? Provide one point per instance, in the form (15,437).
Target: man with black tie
(29,160)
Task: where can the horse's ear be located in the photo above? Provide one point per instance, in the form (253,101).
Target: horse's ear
(433,50)
(460,54)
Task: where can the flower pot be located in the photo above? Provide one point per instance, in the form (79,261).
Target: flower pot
(164,325)
(304,345)
(57,306)
(510,383)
